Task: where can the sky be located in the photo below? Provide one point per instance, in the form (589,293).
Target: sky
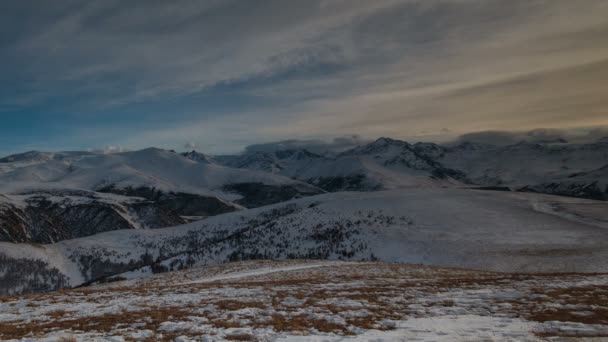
(222,75)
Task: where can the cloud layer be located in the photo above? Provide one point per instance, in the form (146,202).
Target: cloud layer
(226,74)
(540,135)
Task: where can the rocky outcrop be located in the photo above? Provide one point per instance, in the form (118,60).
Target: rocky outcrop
(184,204)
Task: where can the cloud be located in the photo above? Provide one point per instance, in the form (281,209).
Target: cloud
(319,146)
(190,146)
(109,149)
(540,135)
(227,74)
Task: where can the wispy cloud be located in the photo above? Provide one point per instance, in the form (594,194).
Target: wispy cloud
(142,73)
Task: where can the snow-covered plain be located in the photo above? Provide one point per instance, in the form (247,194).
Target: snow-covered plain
(318,301)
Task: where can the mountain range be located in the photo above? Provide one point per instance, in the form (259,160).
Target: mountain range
(48,197)
(577,170)
(74,218)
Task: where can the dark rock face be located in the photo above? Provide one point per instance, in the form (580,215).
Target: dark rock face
(258,194)
(152,215)
(581,190)
(44,222)
(74,214)
(183,204)
(198,157)
(12,225)
(349,183)
(445,173)
(90,219)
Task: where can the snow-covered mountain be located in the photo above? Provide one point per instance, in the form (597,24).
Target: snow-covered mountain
(592,184)
(94,210)
(502,231)
(198,157)
(549,167)
(383,164)
(525,163)
(564,169)
(52,196)
(273,162)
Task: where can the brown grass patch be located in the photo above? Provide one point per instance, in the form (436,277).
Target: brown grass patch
(570,334)
(593,298)
(226,324)
(151,319)
(59,313)
(302,322)
(233,305)
(240,337)
(67,339)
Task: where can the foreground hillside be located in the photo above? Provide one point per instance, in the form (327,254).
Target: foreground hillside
(318,301)
(487,230)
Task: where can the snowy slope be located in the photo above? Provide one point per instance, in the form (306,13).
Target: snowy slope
(155,185)
(450,227)
(151,167)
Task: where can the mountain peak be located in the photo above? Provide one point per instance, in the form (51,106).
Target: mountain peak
(383,141)
(198,157)
(28,156)
(297,154)
(379,146)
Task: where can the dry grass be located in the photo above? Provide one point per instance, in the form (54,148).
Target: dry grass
(59,313)
(150,319)
(225,324)
(384,291)
(233,305)
(304,323)
(240,337)
(572,335)
(556,304)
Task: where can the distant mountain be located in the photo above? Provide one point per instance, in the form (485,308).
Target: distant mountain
(48,197)
(273,162)
(392,164)
(383,164)
(525,165)
(592,184)
(198,157)
(54,196)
